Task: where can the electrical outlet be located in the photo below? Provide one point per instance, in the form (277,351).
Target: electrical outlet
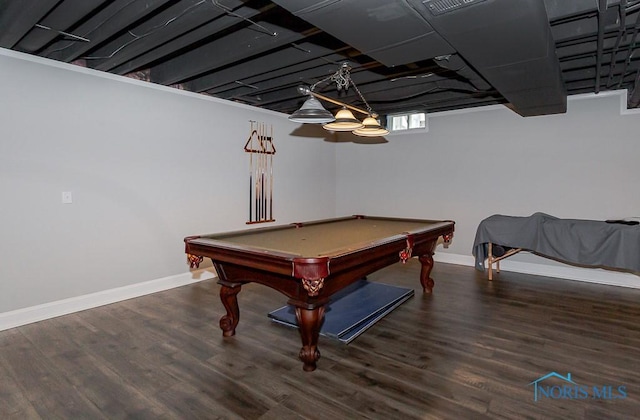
(67,198)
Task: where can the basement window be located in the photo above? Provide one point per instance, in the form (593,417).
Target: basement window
(406,122)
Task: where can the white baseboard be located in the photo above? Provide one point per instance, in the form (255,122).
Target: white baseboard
(37,313)
(589,275)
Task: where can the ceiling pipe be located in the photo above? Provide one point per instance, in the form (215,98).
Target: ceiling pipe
(630,49)
(633,101)
(602,8)
(455,63)
(622,30)
(634,97)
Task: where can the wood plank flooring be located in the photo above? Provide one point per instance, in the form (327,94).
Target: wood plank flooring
(469,351)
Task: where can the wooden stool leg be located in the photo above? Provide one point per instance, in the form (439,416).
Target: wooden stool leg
(490,261)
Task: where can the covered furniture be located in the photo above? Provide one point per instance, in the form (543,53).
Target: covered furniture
(603,244)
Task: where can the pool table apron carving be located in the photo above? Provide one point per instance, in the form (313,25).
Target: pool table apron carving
(309,281)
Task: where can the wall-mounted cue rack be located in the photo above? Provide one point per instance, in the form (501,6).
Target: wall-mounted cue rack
(261,150)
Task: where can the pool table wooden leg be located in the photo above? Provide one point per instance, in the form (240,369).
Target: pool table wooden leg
(427,264)
(229,298)
(309,323)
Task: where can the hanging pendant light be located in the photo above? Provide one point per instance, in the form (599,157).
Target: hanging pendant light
(312,112)
(345,121)
(371,128)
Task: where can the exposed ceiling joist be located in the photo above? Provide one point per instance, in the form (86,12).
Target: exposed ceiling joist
(405,55)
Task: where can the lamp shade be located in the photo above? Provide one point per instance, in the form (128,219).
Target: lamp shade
(345,121)
(371,128)
(312,112)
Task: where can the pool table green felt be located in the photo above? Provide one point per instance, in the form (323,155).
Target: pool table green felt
(323,238)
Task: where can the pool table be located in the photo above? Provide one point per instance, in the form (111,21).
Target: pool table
(308,262)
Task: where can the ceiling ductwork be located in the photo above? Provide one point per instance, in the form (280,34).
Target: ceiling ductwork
(384,30)
(508,43)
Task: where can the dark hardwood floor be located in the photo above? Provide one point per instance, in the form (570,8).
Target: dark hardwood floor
(469,351)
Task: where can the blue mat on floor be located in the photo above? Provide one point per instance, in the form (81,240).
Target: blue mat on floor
(352,310)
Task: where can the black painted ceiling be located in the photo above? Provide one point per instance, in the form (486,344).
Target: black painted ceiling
(405,55)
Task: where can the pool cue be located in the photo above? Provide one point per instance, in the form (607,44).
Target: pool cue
(261,181)
(258,188)
(255,173)
(264,164)
(250,174)
(264,169)
(271,176)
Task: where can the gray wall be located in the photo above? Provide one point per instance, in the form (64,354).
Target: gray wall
(147,166)
(472,164)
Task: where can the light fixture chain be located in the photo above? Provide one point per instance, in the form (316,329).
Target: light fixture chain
(341,77)
(362,97)
(345,79)
(313,86)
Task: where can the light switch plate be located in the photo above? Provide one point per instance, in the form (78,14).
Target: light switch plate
(67,198)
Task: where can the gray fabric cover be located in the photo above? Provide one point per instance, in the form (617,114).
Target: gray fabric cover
(583,242)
